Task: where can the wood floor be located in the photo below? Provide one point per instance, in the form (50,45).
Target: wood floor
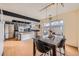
(71,51)
(25,48)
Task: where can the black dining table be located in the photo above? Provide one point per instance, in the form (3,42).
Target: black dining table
(51,42)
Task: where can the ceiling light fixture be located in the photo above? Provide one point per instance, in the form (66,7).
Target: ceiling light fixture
(52,4)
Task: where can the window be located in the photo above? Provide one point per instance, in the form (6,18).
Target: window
(56,26)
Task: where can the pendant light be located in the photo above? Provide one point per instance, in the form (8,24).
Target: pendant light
(57,7)
(50,18)
(56,11)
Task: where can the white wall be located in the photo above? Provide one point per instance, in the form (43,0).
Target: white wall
(78,29)
(1,37)
(70,28)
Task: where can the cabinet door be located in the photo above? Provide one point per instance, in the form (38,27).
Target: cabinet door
(11,31)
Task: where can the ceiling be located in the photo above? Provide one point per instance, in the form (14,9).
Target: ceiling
(33,9)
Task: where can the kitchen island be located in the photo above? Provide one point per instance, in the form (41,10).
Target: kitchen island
(25,35)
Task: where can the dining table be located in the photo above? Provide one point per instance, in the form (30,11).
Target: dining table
(52,42)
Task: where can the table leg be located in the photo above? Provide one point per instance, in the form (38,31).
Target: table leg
(64,49)
(34,50)
(54,50)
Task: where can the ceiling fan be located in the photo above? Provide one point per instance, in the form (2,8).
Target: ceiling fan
(52,4)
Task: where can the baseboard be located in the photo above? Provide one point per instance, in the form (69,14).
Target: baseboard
(71,45)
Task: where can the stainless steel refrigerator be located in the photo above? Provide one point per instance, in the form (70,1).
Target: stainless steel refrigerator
(9,31)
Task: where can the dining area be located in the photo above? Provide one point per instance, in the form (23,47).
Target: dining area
(54,35)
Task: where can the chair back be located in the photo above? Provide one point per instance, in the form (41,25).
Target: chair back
(62,43)
(42,46)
